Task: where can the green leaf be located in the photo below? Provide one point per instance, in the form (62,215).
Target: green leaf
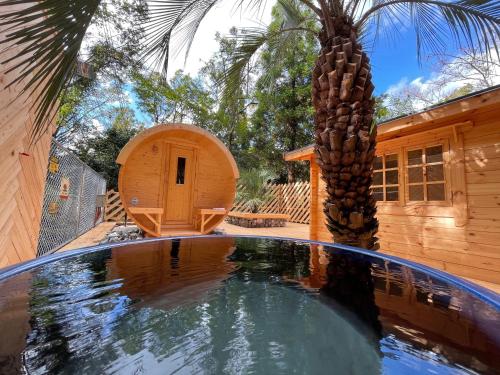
(49,39)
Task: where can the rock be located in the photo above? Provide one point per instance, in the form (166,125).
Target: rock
(123,233)
(127,229)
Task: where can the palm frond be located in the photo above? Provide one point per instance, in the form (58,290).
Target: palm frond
(173,25)
(469,22)
(253,6)
(50,33)
(249,41)
(255,188)
(292,14)
(278,40)
(169,17)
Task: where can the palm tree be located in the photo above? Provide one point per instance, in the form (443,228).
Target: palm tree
(342,90)
(255,189)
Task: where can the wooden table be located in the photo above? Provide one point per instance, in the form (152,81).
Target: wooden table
(204,215)
(152,213)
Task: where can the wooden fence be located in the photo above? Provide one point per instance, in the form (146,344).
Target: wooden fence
(114,210)
(292,199)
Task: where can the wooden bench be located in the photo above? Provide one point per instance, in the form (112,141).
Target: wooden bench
(154,214)
(204,215)
(250,215)
(257,220)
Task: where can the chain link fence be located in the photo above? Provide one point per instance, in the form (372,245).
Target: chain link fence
(73,201)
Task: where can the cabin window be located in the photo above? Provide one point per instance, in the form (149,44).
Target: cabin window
(385,185)
(181,169)
(426,174)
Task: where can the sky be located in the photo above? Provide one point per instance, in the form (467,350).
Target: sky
(392,61)
(220,19)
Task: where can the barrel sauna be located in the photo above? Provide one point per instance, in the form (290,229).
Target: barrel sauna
(176,179)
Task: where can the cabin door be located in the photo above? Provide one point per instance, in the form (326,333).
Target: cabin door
(178,205)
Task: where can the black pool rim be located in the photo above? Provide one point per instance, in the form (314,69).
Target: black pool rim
(476,290)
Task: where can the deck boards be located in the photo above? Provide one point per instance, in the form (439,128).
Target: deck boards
(91,238)
(292,230)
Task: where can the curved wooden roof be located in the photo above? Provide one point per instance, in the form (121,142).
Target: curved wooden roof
(165,128)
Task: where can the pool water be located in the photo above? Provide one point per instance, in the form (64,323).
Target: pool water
(224,305)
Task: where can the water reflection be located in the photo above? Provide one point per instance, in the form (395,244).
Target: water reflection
(438,323)
(239,305)
(349,281)
(165,274)
(436,319)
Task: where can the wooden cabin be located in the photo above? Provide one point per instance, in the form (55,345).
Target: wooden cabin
(204,266)
(437,182)
(176,179)
(23,164)
(401,302)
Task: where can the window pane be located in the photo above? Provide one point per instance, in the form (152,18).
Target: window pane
(416,193)
(435,172)
(378,194)
(391,161)
(434,154)
(392,193)
(181,167)
(391,177)
(377,162)
(415,174)
(435,192)
(377,178)
(415,157)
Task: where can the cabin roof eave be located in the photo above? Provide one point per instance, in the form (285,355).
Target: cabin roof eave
(163,128)
(304,153)
(431,118)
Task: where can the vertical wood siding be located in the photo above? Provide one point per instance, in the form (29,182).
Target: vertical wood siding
(463,242)
(22,171)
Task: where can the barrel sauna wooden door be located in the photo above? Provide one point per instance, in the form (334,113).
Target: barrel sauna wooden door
(178,205)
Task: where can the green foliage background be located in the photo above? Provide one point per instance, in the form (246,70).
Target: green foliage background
(268,114)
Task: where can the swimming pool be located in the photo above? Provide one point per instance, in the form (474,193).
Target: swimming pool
(222,304)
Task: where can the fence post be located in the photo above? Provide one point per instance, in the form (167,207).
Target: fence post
(78,207)
(293,199)
(280,199)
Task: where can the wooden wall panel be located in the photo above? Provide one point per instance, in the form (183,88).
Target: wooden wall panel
(22,172)
(214,178)
(147,166)
(145,172)
(431,236)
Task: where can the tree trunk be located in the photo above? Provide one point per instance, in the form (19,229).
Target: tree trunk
(293,126)
(345,138)
(290,173)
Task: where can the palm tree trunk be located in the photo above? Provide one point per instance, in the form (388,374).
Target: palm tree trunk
(345,138)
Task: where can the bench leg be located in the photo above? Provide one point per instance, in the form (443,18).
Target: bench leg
(156,220)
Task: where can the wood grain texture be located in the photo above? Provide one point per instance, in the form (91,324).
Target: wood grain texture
(292,199)
(149,177)
(23,168)
(462,237)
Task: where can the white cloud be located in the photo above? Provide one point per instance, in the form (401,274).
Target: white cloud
(397,87)
(466,69)
(97,125)
(220,19)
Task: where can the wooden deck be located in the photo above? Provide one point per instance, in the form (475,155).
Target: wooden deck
(91,238)
(292,230)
